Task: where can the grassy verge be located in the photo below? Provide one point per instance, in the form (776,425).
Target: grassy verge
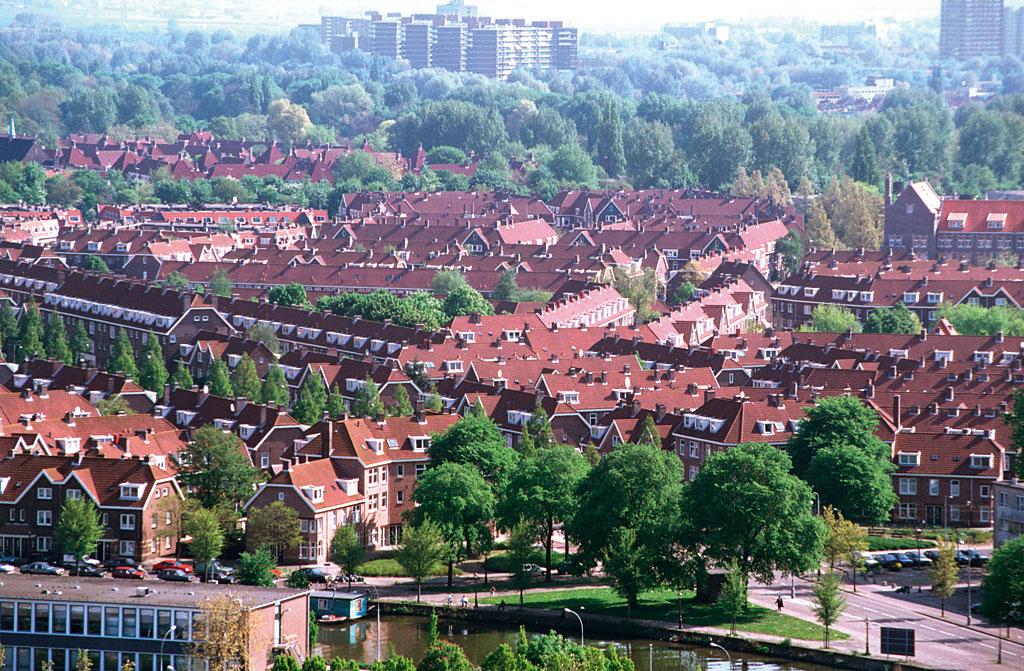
(386,567)
(662,605)
(888,543)
(499,562)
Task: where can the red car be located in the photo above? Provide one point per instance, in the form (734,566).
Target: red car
(129,573)
(172,564)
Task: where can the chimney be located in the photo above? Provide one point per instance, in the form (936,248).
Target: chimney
(634,409)
(709,394)
(588,378)
(999,336)
(869,389)
(897,411)
(659,412)
(691,388)
(419,412)
(327,442)
(888,189)
(167,395)
(263,414)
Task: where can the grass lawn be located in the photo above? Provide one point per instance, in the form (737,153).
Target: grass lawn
(661,605)
(884,543)
(499,562)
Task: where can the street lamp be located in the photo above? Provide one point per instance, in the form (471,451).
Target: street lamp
(571,611)
(163,641)
(727,655)
(969,561)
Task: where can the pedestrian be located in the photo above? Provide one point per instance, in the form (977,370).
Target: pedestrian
(465,601)
(501,606)
(493,591)
(778,604)
(449,600)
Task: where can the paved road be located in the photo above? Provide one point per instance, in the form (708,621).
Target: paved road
(945,643)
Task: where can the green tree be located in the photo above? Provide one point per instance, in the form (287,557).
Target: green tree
(649,152)
(335,406)
(220,285)
(29,343)
(791,251)
(95,264)
(466,300)
(114,405)
(864,165)
(423,549)
(256,568)
(152,371)
(648,432)
(122,357)
(274,527)
(83,662)
(181,376)
(542,492)
(286,663)
(976,320)
(275,387)
(842,537)
(401,405)
(366,402)
(287,121)
(312,401)
(537,433)
(177,280)
(855,211)
(827,318)
(945,574)
(506,289)
(81,342)
(829,602)
(203,526)
(646,481)
(521,537)
(55,340)
(9,328)
(762,518)
(835,421)
(1003,589)
(216,468)
(897,319)
(641,290)
(79,528)
(855,481)
(456,497)
(732,598)
(289,295)
(245,380)
(347,550)
(265,334)
(446,281)
(476,441)
(683,292)
(219,382)
(818,228)
(444,656)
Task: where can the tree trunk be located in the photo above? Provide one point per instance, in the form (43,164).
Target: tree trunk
(942,606)
(547,549)
(854,567)
(451,572)
(419,589)
(520,596)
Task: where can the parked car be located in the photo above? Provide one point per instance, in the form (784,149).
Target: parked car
(532,569)
(200,569)
(976,558)
(963,557)
(118,562)
(173,575)
(85,570)
(129,573)
(571,567)
(171,564)
(12,560)
(890,561)
(870,564)
(315,575)
(931,554)
(218,576)
(41,568)
(919,559)
(8,568)
(904,559)
(352,577)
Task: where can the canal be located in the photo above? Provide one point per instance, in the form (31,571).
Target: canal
(408,634)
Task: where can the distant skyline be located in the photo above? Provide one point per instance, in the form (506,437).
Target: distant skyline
(651,15)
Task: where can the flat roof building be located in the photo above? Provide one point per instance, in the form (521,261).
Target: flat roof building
(152,624)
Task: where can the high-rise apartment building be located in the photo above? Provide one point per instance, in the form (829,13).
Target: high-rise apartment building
(461,42)
(1013,31)
(971,28)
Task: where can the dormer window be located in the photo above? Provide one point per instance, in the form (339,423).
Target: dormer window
(454,366)
(981,461)
(910,297)
(131,492)
(375,444)
(314,494)
(512,336)
(419,443)
(467,336)
(983,357)
(910,458)
(570,397)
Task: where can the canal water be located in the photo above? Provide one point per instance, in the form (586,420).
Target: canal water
(408,634)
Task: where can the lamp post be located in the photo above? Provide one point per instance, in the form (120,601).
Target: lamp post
(163,641)
(958,541)
(570,610)
(727,655)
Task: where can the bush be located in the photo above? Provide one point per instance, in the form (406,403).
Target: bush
(377,568)
(298,580)
(888,544)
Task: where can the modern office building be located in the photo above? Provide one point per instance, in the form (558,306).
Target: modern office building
(1013,31)
(152,624)
(971,28)
(458,40)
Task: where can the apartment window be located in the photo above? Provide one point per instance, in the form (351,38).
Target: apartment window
(153,520)
(954,488)
(983,491)
(264,460)
(954,513)
(399,497)
(420,469)
(908,511)
(984,515)
(77,620)
(127,548)
(147,623)
(59,620)
(908,487)
(111,622)
(43,618)
(933,487)
(73,493)
(981,461)
(44,543)
(44,493)
(127,522)
(44,518)
(694,449)
(909,458)
(400,471)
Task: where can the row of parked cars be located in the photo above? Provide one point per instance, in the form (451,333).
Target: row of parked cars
(170,570)
(894,561)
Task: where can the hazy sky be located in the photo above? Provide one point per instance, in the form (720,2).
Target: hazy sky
(608,14)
